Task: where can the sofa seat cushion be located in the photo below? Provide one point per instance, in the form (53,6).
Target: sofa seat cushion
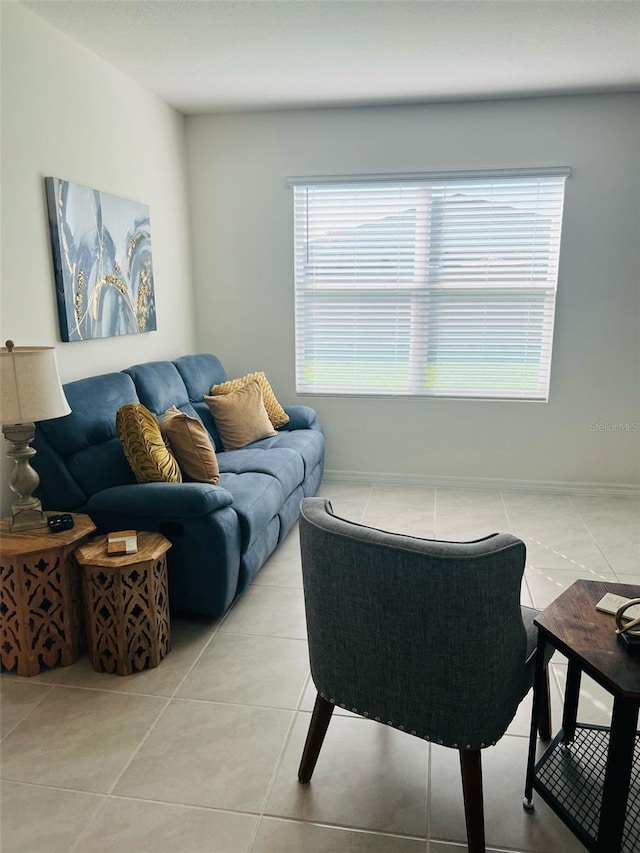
(257,498)
(283,463)
(308,443)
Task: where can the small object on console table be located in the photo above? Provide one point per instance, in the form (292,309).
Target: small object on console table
(628,632)
(122,542)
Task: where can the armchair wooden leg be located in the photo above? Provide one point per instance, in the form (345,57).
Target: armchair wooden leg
(318,726)
(471,767)
(544,713)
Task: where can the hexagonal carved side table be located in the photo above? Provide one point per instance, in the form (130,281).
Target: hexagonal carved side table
(126,604)
(40,601)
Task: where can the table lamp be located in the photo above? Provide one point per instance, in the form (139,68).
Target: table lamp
(30,390)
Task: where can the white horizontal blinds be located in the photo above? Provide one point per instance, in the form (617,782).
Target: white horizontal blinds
(443,286)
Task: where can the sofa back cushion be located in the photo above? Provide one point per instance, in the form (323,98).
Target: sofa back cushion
(85,445)
(159,386)
(199,373)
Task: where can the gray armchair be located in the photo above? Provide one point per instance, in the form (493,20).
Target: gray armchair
(428,637)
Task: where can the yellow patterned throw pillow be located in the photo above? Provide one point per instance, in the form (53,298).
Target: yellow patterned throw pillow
(190,442)
(277,414)
(240,416)
(150,459)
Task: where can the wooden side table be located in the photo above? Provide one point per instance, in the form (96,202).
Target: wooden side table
(40,601)
(590,775)
(126,604)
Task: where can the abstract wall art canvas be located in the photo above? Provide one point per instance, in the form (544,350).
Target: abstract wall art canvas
(101,248)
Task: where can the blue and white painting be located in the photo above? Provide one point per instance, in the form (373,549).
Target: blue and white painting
(102,262)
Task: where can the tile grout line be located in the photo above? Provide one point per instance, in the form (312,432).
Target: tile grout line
(73,847)
(353,829)
(435,512)
(109,792)
(270,636)
(278,764)
(593,538)
(363,515)
(274,586)
(524,573)
(29,712)
(140,745)
(344,827)
(506,511)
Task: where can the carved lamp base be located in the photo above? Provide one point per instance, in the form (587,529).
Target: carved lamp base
(26,511)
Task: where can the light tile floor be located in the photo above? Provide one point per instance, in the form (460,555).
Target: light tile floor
(201,753)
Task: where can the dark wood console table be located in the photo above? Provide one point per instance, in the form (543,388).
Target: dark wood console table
(590,775)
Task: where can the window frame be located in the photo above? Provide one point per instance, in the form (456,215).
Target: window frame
(421,292)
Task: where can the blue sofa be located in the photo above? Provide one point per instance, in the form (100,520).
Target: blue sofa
(221,535)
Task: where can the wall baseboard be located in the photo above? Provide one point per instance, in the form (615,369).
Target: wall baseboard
(551,486)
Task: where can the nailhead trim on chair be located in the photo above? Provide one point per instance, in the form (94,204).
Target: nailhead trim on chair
(401,728)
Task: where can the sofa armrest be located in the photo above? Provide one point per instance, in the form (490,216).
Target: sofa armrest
(300,417)
(161,500)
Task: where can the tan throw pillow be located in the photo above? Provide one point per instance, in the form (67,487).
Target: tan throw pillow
(240,416)
(277,414)
(150,459)
(191,445)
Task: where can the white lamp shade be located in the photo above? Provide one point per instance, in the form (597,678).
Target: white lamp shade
(30,388)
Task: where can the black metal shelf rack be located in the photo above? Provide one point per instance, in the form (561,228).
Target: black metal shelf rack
(569,777)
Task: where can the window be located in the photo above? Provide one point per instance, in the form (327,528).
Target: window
(426,285)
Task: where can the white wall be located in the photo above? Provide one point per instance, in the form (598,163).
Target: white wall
(67,113)
(241,213)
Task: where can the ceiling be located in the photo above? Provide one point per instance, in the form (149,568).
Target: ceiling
(230,55)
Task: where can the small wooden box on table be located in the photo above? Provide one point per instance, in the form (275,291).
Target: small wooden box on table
(40,610)
(126,604)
